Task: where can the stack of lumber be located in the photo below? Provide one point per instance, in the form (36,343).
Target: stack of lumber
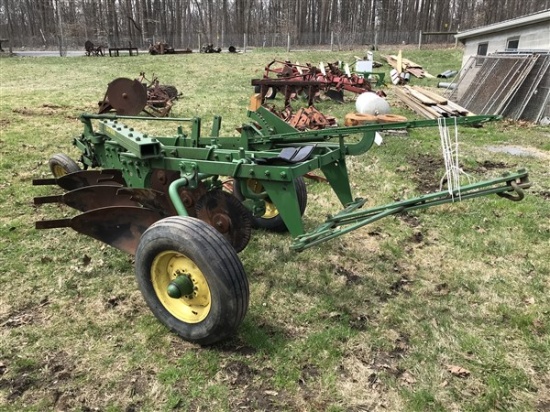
(429,104)
(408,66)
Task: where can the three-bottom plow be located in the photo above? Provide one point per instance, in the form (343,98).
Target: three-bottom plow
(185,204)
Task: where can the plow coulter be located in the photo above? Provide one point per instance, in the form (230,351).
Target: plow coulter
(186,204)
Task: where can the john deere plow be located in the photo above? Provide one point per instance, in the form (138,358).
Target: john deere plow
(186,204)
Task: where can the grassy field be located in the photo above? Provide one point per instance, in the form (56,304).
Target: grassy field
(441,310)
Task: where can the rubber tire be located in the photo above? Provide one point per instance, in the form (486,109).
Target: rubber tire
(219,264)
(60,165)
(276,224)
(171,91)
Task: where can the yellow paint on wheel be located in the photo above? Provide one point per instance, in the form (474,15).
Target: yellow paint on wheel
(58,170)
(270,210)
(166,267)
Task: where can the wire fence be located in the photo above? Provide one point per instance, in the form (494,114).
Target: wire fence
(241,41)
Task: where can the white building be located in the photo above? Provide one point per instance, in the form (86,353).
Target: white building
(506,68)
(531,32)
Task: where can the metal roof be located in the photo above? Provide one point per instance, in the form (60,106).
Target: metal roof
(538,17)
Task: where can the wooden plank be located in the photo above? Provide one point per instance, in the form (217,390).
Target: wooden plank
(416,106)
(460,109)
(449,110)
(419,96)
(434,96)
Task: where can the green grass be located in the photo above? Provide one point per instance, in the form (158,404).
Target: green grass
(368,321)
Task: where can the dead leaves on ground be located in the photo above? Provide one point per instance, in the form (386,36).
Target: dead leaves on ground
(458,371)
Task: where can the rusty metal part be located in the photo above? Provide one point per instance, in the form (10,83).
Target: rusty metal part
(84,178)
(130,97)
(91,197)
(161,179)
(150,199)
(316,178)
(126,97)
(291,88)
(228,215)
(330,79)
(118,226)
(311,119)
(92,49)
(209,48)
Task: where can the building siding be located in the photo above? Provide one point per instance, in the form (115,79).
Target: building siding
(534,37)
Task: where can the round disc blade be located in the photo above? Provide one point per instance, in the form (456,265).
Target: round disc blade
(128,97)
(228,215)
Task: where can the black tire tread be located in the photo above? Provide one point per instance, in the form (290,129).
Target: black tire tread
(211,241)
(61,159)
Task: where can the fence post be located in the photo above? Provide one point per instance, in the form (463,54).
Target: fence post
(420,39)
(288,42)
(199,36)
(331,41)
(245,42)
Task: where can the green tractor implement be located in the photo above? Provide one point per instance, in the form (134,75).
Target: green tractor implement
(186,204)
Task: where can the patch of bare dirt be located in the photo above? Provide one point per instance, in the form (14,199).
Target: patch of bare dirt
(249,392)
(545,194)
(51,375)
(363,372)
(351,278)
(412,221)
(44,110)
(427,172)
(26,315)
(486,165)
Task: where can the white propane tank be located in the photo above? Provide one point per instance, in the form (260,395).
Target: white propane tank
(371,103)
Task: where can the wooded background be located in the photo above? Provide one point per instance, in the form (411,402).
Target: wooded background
(256,23)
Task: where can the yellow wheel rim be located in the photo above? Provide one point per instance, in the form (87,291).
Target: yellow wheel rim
(270,210)
(58,170)
(166,267)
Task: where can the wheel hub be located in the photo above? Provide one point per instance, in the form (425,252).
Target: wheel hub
(180,286)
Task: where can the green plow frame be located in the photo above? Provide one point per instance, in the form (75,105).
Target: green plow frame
(255,156)
(164,200)
(509,186)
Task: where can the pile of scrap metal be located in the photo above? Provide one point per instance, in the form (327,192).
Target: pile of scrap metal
(209,48)
(92,49)
(295,79)
(305,118)
(130,97)
(164,48)
(429,104)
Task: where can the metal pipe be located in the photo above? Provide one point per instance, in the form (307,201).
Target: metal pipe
(446,85)
(175,197)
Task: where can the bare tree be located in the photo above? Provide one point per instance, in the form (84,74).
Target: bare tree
(40,22)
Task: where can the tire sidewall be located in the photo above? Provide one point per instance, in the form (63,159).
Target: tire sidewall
(219,322)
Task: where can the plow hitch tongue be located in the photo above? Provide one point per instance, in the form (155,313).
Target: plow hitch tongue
(510,186)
